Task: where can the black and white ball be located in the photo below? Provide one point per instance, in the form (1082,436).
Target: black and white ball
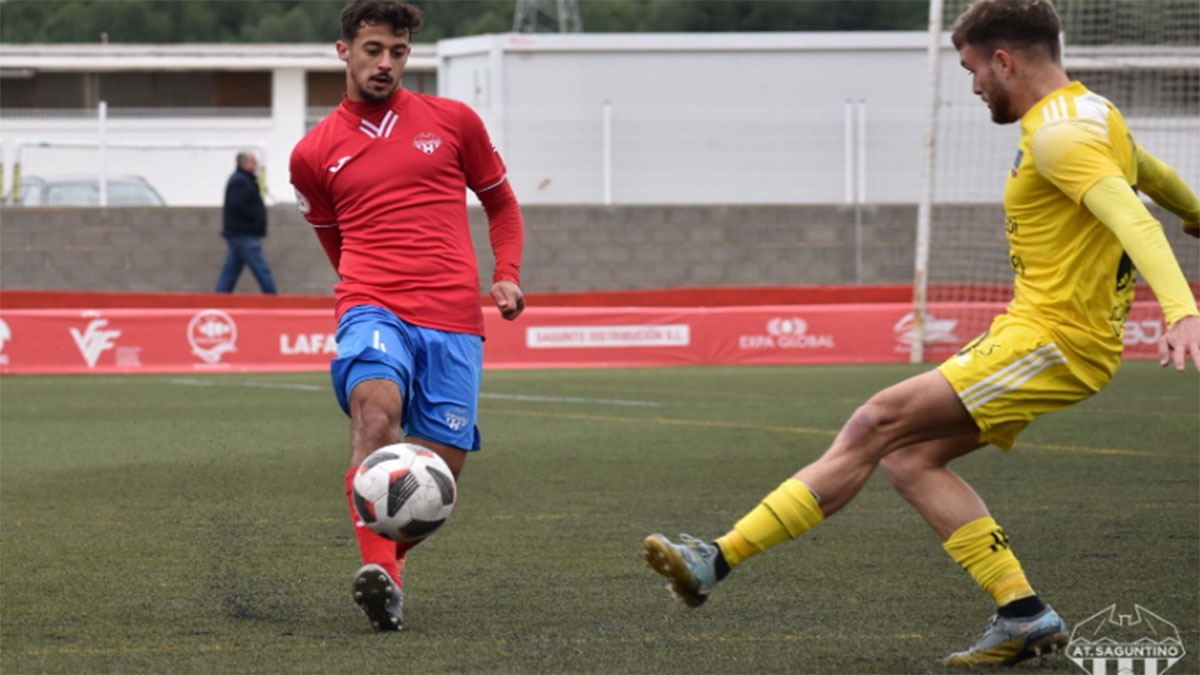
(404,492)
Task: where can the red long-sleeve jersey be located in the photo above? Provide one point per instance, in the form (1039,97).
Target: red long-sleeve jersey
(385,186)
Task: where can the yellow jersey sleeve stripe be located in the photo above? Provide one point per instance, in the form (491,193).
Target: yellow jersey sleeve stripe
(1074,155)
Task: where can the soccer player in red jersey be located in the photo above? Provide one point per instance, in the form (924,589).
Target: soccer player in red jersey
(383,181)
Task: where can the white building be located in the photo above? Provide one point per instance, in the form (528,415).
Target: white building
(579,118)
(216,98)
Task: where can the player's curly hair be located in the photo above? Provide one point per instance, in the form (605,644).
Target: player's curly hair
(1014,23)
(401,16)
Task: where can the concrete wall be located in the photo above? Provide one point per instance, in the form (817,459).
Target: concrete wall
(567,247)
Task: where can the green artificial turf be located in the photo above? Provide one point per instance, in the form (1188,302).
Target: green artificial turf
(197,524)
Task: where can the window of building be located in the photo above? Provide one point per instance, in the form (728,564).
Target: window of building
(189,89)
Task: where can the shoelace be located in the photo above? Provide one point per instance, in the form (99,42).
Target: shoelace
(986,629)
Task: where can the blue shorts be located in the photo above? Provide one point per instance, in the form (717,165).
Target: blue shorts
(438,372)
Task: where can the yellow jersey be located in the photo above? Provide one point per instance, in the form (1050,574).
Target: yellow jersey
(1072,275)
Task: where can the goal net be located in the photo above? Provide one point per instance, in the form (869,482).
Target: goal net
(1143,56)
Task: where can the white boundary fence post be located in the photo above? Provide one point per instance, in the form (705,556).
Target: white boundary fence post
(607,135)
(860,197)
(848,150)
(102,115)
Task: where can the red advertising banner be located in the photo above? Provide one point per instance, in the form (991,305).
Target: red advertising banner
(182,340)
(165,340)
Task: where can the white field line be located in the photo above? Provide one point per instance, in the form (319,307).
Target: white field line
(572,399)
(191,382)
(195,382)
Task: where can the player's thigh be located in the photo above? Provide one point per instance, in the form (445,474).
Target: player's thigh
(454,457)
(377,401)
(443,404)
(372,345)
(919,409)
(1011,375)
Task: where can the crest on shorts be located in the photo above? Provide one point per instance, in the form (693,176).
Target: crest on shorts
(427,142)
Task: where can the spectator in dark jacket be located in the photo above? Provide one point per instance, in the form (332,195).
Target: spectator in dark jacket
(245,225)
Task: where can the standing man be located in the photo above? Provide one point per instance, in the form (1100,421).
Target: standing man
(383,180)
(1076,229)
(244,225)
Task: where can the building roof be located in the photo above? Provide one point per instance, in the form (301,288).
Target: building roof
(126,57)
(22,59)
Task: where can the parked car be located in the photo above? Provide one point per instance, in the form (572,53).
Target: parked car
(85,191)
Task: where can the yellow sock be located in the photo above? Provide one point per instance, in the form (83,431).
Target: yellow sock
(982,549)
(789,511)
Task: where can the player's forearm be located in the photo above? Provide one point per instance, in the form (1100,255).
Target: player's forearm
(1162,184)
(506,230)
(1115,205)
(331,241)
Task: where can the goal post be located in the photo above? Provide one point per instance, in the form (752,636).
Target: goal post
(928,176)
(1142,56)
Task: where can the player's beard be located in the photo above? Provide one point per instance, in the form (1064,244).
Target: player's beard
(371,96)
(1001,107)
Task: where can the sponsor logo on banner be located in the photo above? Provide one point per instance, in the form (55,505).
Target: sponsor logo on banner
(786,332)
(1142,332)
(211,333)
(550,337)
(5,336)
(94,340)
(1107,642)
(129,357)
(310,343)
(937,331)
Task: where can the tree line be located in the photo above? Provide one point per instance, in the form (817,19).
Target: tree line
(306,21)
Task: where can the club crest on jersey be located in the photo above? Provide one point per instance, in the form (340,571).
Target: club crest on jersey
(1017,163)
(427,142)
(302,202)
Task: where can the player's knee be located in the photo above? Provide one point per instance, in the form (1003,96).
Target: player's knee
(902,469)
(376,425)
(871,426)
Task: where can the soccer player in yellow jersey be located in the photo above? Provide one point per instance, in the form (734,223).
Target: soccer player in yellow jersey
(1076,229)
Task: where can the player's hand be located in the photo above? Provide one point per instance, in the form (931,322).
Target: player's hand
(1192,229)
(1180,339)
(509,299)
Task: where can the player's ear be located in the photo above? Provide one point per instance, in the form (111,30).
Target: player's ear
(343,50)
(1002,62)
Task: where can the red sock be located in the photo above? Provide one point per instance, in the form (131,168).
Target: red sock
(373,547)
(402,548)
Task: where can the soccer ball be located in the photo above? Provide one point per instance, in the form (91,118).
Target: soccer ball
(404,492)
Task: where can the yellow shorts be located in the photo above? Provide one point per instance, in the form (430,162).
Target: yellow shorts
(1010,375)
